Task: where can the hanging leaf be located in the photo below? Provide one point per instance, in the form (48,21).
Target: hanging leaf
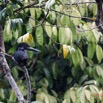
(55,71)
(48,29)
(99,53)
(65,51)
(42,97)
(75,13)
(75,58)
(65,35)
(32,12)
(7,31)
(80,56)
(38,12)
(88,94)
(91,50)
(99,71)
(28,39)
(54,35)
(39,35)
(89,34)
(64,20)
(73,96)
(49,77)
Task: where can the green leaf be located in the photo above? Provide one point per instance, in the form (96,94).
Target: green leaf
(2,94)
(48,29)
(75,58)
(38,12)
(82,9)
(73,96)
(7,31)
(88,94)
(80,56)
(99,53)
(65,35)
(32,12)
(39,35)
(75,13)
(82,97)
(83,78)
(52,99)
(99,71)
(55,33)
(42,97)
(89,34)
(64,20)
(91,50)
(49,77)
(55,70)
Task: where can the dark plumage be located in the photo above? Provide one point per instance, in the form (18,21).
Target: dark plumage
(21,55)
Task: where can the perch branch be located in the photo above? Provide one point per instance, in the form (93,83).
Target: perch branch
(6,70)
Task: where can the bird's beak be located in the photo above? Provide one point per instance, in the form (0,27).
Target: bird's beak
(33,49)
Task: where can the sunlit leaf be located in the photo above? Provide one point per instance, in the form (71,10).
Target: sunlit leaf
(48,29)
(42,97)
(39,35)
(91,50)
(65,51)
(65,35)
(99,53)
(55,33)
(73,96)
(88,94)
(75,59)
(27,38)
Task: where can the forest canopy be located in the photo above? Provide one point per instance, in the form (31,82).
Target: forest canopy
(68,33)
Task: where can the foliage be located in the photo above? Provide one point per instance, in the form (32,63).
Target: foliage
(69,69)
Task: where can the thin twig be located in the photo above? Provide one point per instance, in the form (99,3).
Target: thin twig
(28,84)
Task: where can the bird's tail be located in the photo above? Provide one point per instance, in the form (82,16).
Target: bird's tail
(28,84)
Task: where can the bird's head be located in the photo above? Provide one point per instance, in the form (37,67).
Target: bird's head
(25,46)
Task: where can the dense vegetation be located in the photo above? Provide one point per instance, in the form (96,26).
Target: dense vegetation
(69,69)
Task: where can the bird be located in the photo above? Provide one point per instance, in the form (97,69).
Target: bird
(21,56)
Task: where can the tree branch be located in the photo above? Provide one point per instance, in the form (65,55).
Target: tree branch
(99,18)
(6,70)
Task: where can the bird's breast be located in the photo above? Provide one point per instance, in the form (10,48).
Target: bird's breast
(21,57)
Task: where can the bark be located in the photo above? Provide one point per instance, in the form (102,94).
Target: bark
(99,18)
(6,70)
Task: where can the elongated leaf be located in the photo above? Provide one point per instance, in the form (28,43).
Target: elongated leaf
(89,34)
(65,51)
(75,59)
(91,50)
(54,35)
(48,29)
(99,71)
(65,35)
(7,31)
(64,20)
(80,56)
(49,77)
(39,35)
(73,96)
(88,94)
(75,12)
(99,53)
(32,12)
(55,70)
(42,97)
